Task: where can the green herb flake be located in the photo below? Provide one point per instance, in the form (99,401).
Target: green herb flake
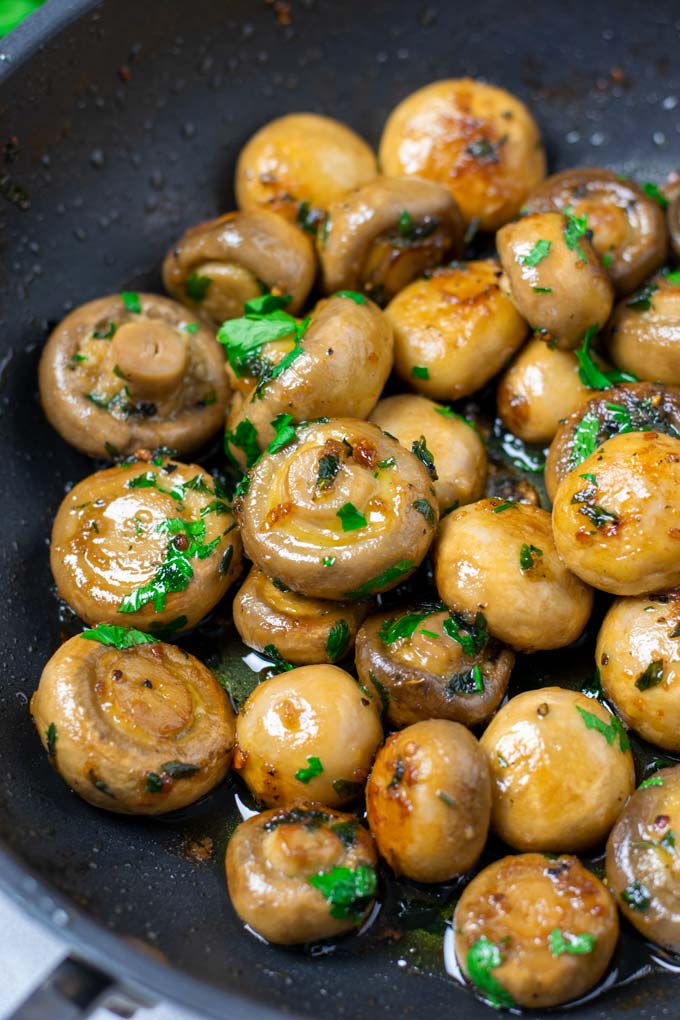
(507,505)
(353,295)
(154,783)
(672,277)
(349,891)
(179,769)
(590,374)
(314,768)
(117,637)
(542,290)
(244,438)
(528,555)
(401,628)
(351,518)
(387,462)
(565,942)
(589,477)
(51,739)
(190,327)
(585,438)
(607,260)
(130,299)
(540,251)
(197,287)
(107,334)
(573,232)
(636,895)
(426,509)
(471,637)
(308,218)
(329,466)
(382,581)
(285,432)
(420,372)
(419,448)
(597,515)
(652,676)
(337,641)
(346,832)
(652,781)
(482,958)
(641,300)
(405,224)
(328,561)
(446,798)
(611,731)
(654,192)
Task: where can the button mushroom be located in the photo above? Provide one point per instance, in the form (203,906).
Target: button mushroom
(428,801)
(643,865)
(217,266)
(455,330)
(299,164)
(150,544)
(499,557)
(628,230)
(456,446)
(130,371)
(616,520)
(555,279)
(478,140)
(309,732)
(131,724)
(301,873)
(381,236)
(303,630)
(336,368)
(644,332)
(430,664)
(342,512)
(561,770)
(535,932)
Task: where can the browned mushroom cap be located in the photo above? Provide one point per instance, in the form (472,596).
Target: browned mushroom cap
(629,233)
(643,864)
(133,371)
(671,191)
(345,362)
(342,512)
(426,673)
(219,265)
(381,236)
(138,728)
(637,407)
(303,630)
(281,866)
(643,336)
(148,544)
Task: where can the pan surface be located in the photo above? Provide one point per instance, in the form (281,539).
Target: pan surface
(118,131)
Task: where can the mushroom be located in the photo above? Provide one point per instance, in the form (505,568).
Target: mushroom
(131,724)
(309,732)
(428,801)
(639,662)
(299,164)
(217,266)
(561,770)
(151,544)
(301,873)
(477,140)
(634,407)
(535,932)
(627,226)
(303,630)
(129,371)
(342,512)
(454,441)
(430,665)
(643,862)
(643,336)
(382,235)
(454,330)
(499,558)
(616,520)
(343,360)
(555,279)
(673,218)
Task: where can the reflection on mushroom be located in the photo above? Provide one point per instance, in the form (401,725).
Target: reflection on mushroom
(342,512)
(301,873)
(129,371)
(381,236)
(217,266)
(131,724)
(151,544)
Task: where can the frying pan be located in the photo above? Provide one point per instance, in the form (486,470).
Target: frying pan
(121,122)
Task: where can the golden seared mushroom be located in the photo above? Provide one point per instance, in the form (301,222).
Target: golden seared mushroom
(342,512)
(639,662)
(216,266)
(673,217)
(629,234)
(477,140)
(131,724)
(301,873)
(333,365)
(456,445)
(309,732)
(303,630)
(152,544)
(539,390)
(428,801)
(299,164)
(631,407)
(561,770)
(129,371)
(454,330)
(556,280)
(535,932)
(430,664)
(499,558)
(616,520)
(384,234)
(643,336)
(643,861)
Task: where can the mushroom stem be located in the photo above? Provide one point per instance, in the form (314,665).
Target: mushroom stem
(151,356)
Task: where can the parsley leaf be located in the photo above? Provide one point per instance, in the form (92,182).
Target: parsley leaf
(130,299)
(565,942)
(349,891)
(308,218)
(426,509)
(483,957)
(382,581)
(652,781)
(314,768)
(472,637)
(357,298)
(402,627)
(573,232)
(611,731)
(149,480)
(636,895)
(351,518)
(540,251)
(405,223)
(337,641)
(419,448)
(589,373)
(584,442)
(197,287)
(652,676)
(117,637)
(244,438)
(329,465)
(173,575)
(285,432)
(527,556)
(641,300)
(654,191)
(263,322)
(272,652)
(51,739)
(420,372)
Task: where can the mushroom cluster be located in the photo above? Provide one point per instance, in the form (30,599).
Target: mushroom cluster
(345,333)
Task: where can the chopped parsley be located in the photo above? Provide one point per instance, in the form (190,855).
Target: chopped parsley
(573,232)
(329,466)
(419,448)
(285,432)
(652,781)
(540,251)
(353,295)
(528,555)
(328,561)
(349,891)
(382,581)
(420,372)
(641,300)
(483,957)
(654,192)
(652,676)
(611,731)
(244,438)
(472,637)
(597,515)
(672,277)
(585,440)
(308,218)
(154,783)
(351,518)
(410,231)
(405,223)
(197,287)
(281,664)
(118,637)
(345,831)
(565,942)
(313,769)
(51,739)
(426,509)
(506,505)
(179,769)
(190,327)
(99,334)
(542,290)
(485,150)
(402,627)
(149,480)
(337,641)
(636,895)
(589,373)
(130,299)
(263,322)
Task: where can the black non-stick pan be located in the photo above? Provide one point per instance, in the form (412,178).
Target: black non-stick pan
(120,124)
